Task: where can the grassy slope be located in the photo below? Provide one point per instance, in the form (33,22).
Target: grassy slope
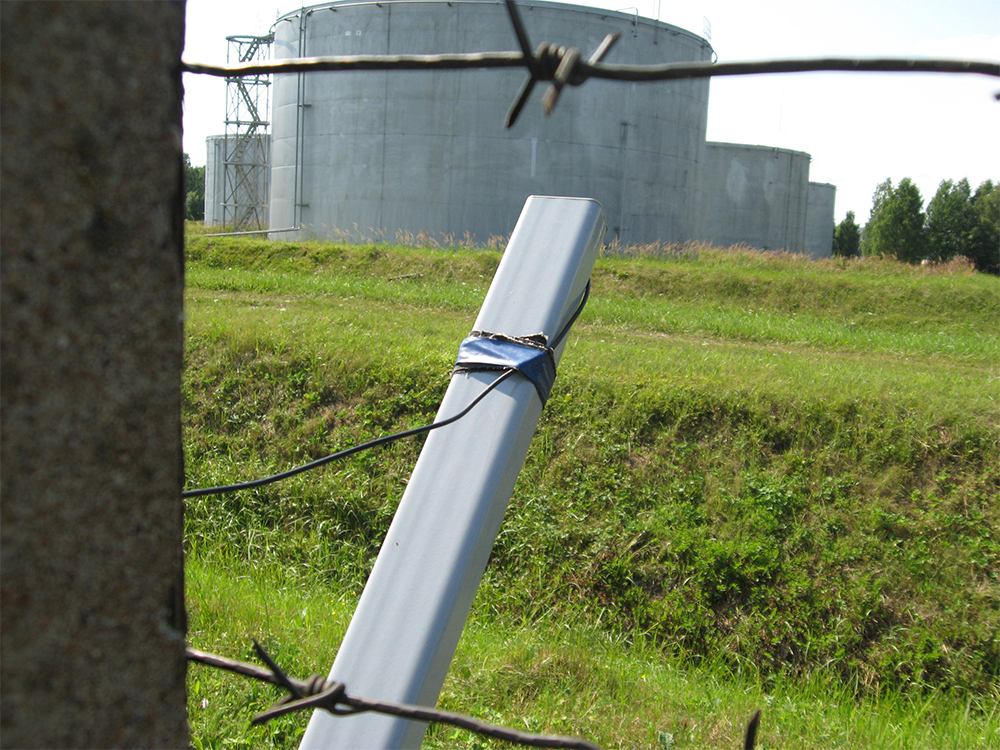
(777,467)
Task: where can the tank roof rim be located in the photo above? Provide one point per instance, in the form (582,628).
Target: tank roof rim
(758,147)
(633,18)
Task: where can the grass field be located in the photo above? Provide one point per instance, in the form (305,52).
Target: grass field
(760,482)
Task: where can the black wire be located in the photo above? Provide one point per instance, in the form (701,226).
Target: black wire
(388,438)
(347,452)
(569,323)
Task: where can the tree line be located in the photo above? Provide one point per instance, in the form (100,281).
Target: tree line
(194,191)
(957,222)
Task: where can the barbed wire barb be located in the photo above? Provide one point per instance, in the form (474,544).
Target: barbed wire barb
(548,62)
(522,37)
(277,671)
(530,63)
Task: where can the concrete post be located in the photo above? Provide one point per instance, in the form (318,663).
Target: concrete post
(91,287)
(401,640)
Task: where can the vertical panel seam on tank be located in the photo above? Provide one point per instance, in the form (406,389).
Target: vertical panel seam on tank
(786,222)
(449,212)
(804,209)
(799,219)
(385,117)
(300,95)
(696,208)
(790,246)
(268,142)
(625,147)
(447,145)
(796,219)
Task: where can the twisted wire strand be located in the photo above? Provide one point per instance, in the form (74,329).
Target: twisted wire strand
(540,65)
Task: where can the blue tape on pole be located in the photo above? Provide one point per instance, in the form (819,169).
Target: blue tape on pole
(529,355)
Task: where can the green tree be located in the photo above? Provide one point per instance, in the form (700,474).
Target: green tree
(847,237)
(194,191)
(952,221)
(984,249)
(896,226)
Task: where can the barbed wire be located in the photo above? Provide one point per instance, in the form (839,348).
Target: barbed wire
(561,66)
(614,72)
(317,692)
(332,696)
(584,69)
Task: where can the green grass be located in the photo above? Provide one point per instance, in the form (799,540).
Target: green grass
(566,677)
(760,478)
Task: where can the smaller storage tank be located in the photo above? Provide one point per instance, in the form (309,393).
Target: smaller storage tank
(245,191)
(754,195)
(820,220)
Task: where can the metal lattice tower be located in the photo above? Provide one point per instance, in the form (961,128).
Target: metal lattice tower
(247,161)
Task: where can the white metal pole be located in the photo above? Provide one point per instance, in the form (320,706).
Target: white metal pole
(404,632)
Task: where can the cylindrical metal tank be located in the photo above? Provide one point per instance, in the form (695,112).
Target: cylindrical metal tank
(215,176)
(247,184)
(382,154)
(820,220)
(754,195)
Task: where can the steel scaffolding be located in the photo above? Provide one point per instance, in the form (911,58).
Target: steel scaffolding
(247,161)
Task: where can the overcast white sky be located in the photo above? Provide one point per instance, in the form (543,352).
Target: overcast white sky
(860,128)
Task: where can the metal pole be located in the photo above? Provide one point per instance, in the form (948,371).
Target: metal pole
(401,640)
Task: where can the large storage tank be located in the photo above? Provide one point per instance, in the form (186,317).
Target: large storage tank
(820,220)
(756,196)
(377,154)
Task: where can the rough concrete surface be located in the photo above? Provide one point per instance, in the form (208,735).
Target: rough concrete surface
(91,344)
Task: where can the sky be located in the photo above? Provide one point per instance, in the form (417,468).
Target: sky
(860,128)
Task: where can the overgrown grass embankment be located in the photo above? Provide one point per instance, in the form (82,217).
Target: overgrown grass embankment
(783,471)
